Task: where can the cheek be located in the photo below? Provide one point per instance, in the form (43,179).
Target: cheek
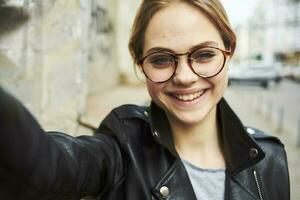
(154,89)
(223,76)
(220,81)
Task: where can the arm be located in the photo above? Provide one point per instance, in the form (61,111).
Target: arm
(55,164)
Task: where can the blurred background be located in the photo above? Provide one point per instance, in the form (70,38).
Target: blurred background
(70,65)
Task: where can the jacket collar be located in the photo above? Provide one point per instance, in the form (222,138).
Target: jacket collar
(240,150)
(175,181)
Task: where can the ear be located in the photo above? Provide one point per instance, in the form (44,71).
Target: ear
(228,59)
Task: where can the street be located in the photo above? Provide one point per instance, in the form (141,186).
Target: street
(278,104)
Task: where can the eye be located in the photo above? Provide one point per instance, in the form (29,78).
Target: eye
(204,55)
(160,60)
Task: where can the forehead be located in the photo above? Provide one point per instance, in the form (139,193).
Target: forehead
(179,27)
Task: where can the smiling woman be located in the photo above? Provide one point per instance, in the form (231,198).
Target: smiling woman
(176,96)
(188,144)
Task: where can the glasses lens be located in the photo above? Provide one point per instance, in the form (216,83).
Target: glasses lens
(159,67)
(207,61)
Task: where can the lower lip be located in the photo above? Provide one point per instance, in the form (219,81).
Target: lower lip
(191,103)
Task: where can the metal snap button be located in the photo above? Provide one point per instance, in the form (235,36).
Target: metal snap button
(250,131)
(155,133)
(146,113)
(253,152)
(164,191)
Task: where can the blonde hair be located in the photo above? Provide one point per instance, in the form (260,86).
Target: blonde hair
(212,8)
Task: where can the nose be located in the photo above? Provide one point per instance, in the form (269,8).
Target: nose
(184,74)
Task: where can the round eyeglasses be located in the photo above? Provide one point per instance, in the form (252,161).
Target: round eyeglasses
(206,62)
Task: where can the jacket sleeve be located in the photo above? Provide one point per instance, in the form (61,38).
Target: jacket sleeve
(37,165)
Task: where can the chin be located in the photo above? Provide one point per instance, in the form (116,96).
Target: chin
(188,118)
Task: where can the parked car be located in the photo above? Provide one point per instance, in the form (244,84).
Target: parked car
(259,74)
(296,74)
(291,72)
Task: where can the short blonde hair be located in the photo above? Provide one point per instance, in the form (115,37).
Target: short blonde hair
(212,8)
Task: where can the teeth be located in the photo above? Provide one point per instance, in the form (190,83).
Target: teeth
(189,97)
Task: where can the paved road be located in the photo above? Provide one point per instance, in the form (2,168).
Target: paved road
(279,105)
(257,107)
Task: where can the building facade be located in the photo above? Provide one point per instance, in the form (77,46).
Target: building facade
(271,34)
(68,50)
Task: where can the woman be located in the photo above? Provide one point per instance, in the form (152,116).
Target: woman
(187,145)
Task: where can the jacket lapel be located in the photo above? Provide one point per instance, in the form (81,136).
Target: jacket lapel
(242,186)
(237,144)
(176,183)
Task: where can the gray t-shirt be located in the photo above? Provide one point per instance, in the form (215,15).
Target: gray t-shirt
(208,184)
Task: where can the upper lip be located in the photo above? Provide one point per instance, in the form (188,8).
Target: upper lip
(186,91)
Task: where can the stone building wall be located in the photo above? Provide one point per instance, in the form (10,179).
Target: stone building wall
(63,54)
(272,33)
(103,70)
(123,20)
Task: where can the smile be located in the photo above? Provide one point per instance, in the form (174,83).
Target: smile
(189,97)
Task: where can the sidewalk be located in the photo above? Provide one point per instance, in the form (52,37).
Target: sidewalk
(98,106)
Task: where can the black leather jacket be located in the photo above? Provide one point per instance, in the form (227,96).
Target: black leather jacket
(131,157)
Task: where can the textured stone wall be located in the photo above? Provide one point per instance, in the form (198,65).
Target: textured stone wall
(103,70)
(123,19)
(59,57)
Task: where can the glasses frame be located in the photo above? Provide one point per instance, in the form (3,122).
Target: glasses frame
(189,59)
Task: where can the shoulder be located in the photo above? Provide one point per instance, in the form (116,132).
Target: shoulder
(271,145)
(115,120)
(263,137)
(274,166)
(130,111)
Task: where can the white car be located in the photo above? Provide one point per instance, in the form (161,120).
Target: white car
(259,74)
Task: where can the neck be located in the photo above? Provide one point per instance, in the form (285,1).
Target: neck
(199,143)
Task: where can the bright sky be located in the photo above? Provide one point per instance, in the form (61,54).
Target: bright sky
(239,10)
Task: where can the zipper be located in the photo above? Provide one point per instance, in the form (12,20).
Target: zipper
(258,185)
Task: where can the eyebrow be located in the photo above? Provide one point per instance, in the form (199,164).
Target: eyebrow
(203,44)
